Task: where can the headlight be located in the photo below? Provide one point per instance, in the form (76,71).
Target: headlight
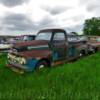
(9,55)
(22,60)
(19,60)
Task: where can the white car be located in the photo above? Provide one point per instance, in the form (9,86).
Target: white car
(5,47)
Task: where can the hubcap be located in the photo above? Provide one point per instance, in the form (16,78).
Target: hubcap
(81,54)
(41,66)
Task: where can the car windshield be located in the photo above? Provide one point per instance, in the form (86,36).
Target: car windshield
(44,36)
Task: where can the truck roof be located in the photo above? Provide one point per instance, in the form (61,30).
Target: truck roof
(52,30)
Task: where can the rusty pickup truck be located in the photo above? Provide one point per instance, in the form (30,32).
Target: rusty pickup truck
(50,47)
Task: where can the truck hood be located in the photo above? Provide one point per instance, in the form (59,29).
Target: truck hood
(40,48)
(36,54)
(31,43)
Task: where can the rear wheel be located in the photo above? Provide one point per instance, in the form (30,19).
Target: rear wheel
(96,50)
(92,50)
(82,53)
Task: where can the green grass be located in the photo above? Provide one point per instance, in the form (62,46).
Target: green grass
(78,80)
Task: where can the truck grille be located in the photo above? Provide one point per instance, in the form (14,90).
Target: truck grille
(16,59)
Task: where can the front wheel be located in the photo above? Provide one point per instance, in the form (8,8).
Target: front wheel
(41,64)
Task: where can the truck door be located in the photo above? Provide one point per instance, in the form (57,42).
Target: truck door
(72,51)
(59,46)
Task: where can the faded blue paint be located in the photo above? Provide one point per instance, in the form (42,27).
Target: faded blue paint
(55,56)
(31,63)
(72,52)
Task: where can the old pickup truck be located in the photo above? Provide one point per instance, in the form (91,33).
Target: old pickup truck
(50,47)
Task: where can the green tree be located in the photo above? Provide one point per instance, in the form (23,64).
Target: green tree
(92,26)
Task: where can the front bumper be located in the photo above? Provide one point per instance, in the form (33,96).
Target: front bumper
(17,67)
(28,67)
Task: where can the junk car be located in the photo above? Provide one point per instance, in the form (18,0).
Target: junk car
(94,43)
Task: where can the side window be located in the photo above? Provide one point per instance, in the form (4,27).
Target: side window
(59,36)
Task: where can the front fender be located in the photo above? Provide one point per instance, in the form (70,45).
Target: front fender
(31,64)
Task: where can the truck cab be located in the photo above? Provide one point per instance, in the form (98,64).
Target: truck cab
(50,48)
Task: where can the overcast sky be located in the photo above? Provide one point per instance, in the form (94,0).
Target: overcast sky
(29,16)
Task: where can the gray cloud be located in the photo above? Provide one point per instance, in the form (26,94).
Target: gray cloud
(55,10)
(47,22)
(78,18)
(17,22)
(92,6)
(22,23)
(77,28)
(82,2)
(12,3)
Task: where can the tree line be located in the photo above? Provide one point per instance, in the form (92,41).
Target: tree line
(92,26)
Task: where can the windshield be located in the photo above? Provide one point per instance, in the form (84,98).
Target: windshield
(44,36)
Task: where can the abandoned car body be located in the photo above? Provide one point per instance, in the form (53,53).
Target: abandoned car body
(50,47)
(93,44)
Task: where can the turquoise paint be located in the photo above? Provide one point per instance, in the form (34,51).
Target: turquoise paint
(55,56)
(31,64)
(71,52)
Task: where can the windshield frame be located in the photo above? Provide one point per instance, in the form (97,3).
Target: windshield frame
(49,34)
